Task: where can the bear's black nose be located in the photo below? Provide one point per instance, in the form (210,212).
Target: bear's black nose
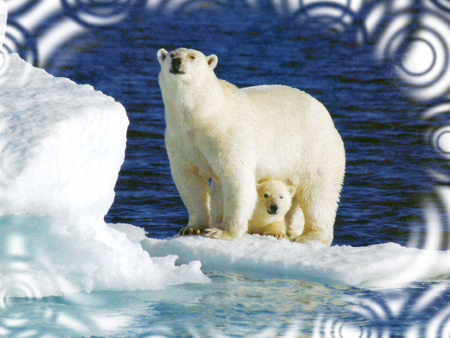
(273,209)
(176,65)
(176,62)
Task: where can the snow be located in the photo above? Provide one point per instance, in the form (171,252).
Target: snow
(381,265)
(61,148)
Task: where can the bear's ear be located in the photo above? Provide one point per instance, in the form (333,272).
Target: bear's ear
(212,61)
(162,54)
(292,190)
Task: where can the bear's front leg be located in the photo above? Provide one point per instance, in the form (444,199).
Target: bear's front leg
(239,199)
(194,191)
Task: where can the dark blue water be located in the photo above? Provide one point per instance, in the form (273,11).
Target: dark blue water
(385,182)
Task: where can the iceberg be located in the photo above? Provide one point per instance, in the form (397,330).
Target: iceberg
(61,149)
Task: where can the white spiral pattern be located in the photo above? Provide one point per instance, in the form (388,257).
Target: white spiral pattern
(19,40)
(18,285)
(438,137)
(418,42)
(98,13)
(337,328)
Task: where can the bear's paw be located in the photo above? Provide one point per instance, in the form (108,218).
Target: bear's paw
(217,233)
(190,231)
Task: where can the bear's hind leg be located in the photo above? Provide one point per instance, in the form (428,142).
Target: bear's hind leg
(320,213)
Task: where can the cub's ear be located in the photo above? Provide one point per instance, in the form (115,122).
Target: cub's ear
(212,61)
(259,184)
(162,54)
(292,190)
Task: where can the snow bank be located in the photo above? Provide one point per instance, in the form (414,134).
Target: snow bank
(3,15)
(61,148)
(383,265)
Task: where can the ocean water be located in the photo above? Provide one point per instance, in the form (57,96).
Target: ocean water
(386,187)
(381,127)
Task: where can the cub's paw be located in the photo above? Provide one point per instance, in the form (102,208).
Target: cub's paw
(275,229)
(216,233)
(279,235)
(188,231)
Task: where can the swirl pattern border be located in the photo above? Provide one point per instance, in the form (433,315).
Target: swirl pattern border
(414,35)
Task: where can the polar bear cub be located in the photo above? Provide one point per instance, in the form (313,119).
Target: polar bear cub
(274,201)
(234,138)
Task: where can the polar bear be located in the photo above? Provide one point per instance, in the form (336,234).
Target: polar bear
(222,140)
(273,203)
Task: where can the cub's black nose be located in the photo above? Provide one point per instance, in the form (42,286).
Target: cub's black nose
(273,209)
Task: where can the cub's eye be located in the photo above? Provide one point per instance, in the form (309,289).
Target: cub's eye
(192,57)
(266,195)
(281,196)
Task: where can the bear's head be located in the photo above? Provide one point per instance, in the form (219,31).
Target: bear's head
(185,63)
(274,198)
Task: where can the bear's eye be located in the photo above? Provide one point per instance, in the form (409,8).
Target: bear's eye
(192,57)
(281,196)
(266,195)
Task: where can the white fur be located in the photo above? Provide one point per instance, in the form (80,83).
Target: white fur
(274,201)
(237,137)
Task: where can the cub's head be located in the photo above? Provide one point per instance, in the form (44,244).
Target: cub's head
(274,198)
(185,63)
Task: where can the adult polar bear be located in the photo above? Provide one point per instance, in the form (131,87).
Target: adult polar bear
(238,137)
